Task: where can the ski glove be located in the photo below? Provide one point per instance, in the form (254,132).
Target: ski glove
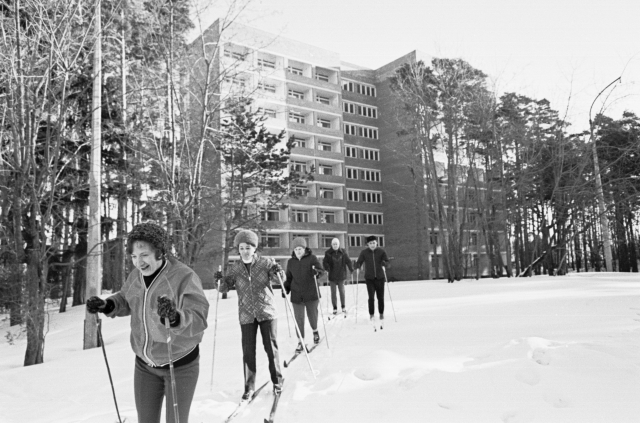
(316,272)
(167,310)
(95,304)
(275,269)
(218,275)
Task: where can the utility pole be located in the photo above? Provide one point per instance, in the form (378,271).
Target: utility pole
(94,257)
(604,222)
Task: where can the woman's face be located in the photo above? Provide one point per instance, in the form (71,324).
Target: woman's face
(246,252)
(144,258)
(299,251)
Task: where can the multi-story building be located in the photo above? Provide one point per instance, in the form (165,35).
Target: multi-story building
(342,118)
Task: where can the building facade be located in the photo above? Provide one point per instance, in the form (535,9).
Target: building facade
(342,118)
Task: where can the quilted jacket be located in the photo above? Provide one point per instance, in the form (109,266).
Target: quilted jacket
(255,294)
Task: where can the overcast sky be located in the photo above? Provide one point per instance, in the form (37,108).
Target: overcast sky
(566,51)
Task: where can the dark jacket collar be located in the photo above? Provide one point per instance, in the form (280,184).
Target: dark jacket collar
(307,252)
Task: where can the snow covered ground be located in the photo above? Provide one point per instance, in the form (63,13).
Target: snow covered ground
(541,349)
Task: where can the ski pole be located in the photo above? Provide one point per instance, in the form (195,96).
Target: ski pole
(295,322)
(173,377)
(215,328)
(104,352)
(319,306)
(357,291)
(389,289)
(286,310)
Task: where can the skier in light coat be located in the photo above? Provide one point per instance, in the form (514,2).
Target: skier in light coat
(159,288)
(335,262)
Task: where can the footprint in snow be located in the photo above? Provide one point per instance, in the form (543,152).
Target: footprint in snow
(367,374)
(540,357)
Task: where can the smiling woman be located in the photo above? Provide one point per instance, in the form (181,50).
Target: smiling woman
(167,304)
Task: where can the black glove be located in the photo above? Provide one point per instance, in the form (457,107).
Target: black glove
(316,272)
(275,269)
(167,309)
(218,275)
(95,304)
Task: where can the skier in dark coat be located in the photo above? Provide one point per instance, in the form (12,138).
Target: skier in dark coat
(335,262)
(301,269)
(374,258)
(252,276)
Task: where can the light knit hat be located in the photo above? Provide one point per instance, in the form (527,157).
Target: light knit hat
(246,236)
(298,242)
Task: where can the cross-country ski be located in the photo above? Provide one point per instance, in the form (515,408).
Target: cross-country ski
(274,407)
(295,355)
(244,403)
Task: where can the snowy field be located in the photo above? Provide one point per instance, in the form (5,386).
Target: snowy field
(539,349)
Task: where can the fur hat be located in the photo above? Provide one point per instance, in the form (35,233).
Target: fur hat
(151,233)
(298,242)
(246,236)
(372,238)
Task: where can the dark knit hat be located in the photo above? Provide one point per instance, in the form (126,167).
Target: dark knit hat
(298,242)
(151,233)
(371,238)
(246,236)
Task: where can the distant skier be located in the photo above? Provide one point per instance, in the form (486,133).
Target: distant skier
(252,276)
(335,262)
(302,286)
(374,259)
(159,288)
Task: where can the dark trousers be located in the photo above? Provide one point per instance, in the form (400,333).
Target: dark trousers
(269,333)
(311,307)
(151,385)
(334,299)
(375,287)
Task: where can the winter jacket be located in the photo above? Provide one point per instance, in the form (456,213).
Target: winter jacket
(255,294)
(373,261)
(300,281)
(334,263)
(148,335)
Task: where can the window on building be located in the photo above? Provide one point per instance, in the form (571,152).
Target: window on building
(266,63)
(473,238)
(355,241)
(326,193)
(349,108)
(327,217)
(299,215)
(323,123)
(236,55)
(298,166)
(371,175)
(296,94)
(325,240)
(295,70)
(266,87)
(322,77)
(433,238)
(352,195)
(472,218)
(270,241)
(325,169)
(298,142)
(300,191)
(372,218)
(271,113)
(296,117)
(323,99)
(272,215)
(235,81)
(348,86)
(354,218)
(324,146)
(352,173)
(351,152)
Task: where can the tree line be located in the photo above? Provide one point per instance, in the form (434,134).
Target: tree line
(505,174)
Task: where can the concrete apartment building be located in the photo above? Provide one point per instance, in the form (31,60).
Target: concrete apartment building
(343,119)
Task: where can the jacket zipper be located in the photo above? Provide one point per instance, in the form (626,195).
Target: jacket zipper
(144,315)
(375,274)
